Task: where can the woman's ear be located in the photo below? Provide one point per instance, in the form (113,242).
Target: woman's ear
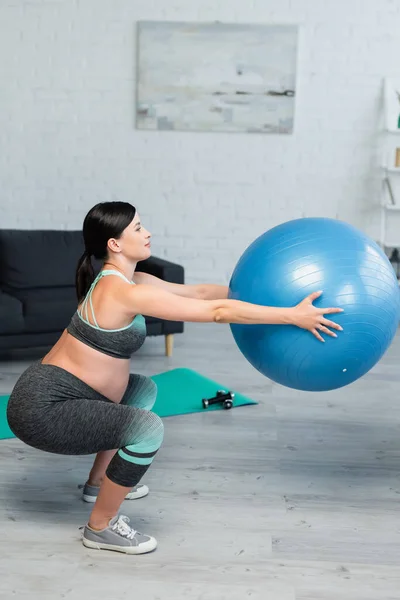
(114,245)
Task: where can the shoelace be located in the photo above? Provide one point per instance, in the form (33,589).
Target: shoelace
(122,527)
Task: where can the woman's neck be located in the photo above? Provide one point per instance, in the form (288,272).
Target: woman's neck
(127,271)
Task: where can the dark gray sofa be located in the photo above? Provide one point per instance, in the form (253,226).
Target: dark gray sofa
(37,287)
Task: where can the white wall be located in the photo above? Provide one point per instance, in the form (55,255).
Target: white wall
(68,140)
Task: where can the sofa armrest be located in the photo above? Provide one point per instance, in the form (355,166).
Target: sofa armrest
(164,269)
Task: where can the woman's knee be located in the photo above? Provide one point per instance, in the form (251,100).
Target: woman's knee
(153,437)
(147,432)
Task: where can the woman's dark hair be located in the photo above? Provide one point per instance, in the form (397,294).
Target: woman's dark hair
(104,221)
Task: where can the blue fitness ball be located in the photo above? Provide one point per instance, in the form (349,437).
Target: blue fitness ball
(294,259)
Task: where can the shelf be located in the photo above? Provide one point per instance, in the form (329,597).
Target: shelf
(390,198)
(391,206)
(393,170)
(392,244)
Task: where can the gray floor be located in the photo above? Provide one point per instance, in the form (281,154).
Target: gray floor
(297,497)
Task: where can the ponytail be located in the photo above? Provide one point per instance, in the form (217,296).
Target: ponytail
(104,221)
(84,276)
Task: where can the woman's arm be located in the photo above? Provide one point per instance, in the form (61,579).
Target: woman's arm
(213,291)
(156,302)
(201,291)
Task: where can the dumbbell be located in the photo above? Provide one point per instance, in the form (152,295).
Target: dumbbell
(223,397)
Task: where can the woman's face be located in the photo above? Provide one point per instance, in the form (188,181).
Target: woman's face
(134,242)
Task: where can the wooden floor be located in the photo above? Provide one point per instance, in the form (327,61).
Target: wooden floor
(297,497)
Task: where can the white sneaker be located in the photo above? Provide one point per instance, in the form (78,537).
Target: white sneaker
(118,536)
(90,492)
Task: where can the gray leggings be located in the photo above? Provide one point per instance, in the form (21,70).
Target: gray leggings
(55,411)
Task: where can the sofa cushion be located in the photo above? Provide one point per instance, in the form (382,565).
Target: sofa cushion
(47,310)
(39,258)
(11,315)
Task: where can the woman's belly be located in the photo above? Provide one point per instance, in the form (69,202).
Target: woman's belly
(105,374)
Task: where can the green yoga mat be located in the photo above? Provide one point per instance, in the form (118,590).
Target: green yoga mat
(5,431)
(180,392)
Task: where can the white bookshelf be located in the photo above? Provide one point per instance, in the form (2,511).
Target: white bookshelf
(390,163)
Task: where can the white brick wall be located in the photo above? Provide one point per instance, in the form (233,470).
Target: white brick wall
(67,135)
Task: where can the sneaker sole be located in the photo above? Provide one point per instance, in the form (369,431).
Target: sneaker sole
(149,546)
(130,496)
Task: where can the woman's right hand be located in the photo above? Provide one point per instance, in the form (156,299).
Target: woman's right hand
(307,316)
